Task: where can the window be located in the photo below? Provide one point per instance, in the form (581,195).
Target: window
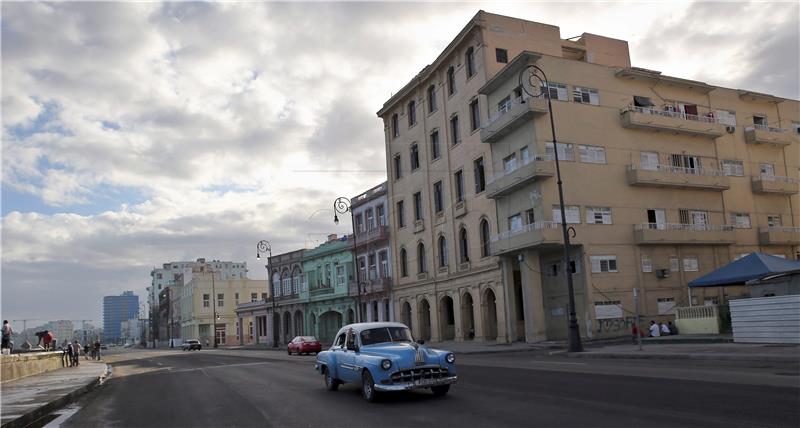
(725,117)
(401,217)
(598,215)
(395,126)
(525,155)
(236,298)
(573,214)
(398,167)
(474,115)
(384,264)
(414,157)
(359,223)
(438,197)
(436,152)
(469,60)
(565,152)
(585,95)
(501,55)
(767,170)
(362,267)
(220,299)
(796,127)
(442,251)
(603,263)
(340,276)
(674,264)
(485,238)
(689,164)
(774,221)
(740,220)
(504,105)
(759,120)
(510,163)
(515,223)
(611,309)
(733,168)
(451,80)
(380,215)
(455,136)
(403,263)
(690,264)
(418,206)
(556,91)
(666,305)
(648,161)
(206,300)
(459,178)
(412,113)
(253,297)
(264,296)
(529,216)
(647,264)
(431,99)
(328,275)
(592,154)
(656,219)
(644,102)
(480,178)
(370,219)
(464,245)
(421,264)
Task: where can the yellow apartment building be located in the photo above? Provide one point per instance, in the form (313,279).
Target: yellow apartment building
(665,179)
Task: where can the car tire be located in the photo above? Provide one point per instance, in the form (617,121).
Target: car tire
(368,387)
(289,351)
(440,391)
(331,384)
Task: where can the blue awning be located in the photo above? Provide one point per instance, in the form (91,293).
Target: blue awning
(752,266)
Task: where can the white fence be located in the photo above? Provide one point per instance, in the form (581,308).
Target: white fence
(766,319)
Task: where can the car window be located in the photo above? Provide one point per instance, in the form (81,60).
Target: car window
(385,334)
(351,338)
(340,340)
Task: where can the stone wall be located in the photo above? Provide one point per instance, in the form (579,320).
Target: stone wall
(17,366)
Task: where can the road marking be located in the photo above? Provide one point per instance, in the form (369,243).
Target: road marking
(558,362)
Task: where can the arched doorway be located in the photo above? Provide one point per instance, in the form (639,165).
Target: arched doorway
(424,320)
(489,315)
(329,324)
(287,327)
(447,319)
(312,326)
(407,315)
(298,323)
(276,328)
(351,316)
(467,317)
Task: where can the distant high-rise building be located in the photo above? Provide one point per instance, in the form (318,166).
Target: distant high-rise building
(117,309)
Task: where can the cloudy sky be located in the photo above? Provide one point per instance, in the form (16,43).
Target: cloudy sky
(139,133)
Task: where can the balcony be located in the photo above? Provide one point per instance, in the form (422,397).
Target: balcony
(531,235)
(375,284)
(775,184)
(677,177)
(505,182)
(779,235)
(670,121)
(321,291)
(512,117)
(760,134)
(373,234)
(683,234)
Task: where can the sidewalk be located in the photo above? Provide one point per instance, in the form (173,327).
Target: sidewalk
(28,399)
(696,351)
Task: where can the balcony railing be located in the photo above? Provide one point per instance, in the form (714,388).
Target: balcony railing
(511,116)
(533,234)
(674,114)
(503,171)
(682,226)
(677,176)
(763,134)
(779,235)
(775,184)
(373,233)
(768,128)
(672,121)
(515,103)
(687,234)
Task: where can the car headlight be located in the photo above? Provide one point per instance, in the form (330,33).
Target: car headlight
(450,358)
(386,364)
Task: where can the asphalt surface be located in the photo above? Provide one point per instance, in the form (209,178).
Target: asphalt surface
(269,389)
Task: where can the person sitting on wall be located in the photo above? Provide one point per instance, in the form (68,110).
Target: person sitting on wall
(664,329)
(654,331)
(673,330)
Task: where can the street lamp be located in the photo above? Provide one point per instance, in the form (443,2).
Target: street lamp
(340,206)
(262,247)
(530,75)
(213,305)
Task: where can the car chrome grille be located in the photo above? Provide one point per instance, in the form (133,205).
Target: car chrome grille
(419,373)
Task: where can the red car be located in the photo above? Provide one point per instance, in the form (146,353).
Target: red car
(304,345)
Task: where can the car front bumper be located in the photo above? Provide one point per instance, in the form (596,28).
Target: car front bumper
(420,384)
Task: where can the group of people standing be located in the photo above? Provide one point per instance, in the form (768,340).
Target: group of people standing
(72,352)
(662,329)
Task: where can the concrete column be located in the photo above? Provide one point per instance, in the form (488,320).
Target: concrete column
(533,299)
(500,296)
(435,332)
(369,311)
(240,331)
(459,333)
(382,310)
(477,313)
(509,303)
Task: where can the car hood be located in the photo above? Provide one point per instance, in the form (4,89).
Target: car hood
(404,354)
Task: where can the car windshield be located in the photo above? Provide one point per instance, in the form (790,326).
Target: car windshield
(308,339)
(385,334)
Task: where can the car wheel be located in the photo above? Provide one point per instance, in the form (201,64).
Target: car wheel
(289,351)
(331,384)
(368,387)
(441,390)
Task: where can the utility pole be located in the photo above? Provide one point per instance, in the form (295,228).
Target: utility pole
(638,324)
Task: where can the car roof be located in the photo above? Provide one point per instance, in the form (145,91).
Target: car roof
(359,327)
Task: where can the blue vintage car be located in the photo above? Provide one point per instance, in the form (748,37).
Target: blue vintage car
(382,356)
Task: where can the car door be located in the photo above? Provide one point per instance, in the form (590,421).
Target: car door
(336,355)
(348,369)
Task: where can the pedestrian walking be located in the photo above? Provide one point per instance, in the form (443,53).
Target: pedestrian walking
(86,351)
(7,332)
(654,332)
(97,349)
(70,354)
(76,353)
(664,329)
(673,330)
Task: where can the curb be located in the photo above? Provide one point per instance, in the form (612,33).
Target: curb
(35,414)
(686,356)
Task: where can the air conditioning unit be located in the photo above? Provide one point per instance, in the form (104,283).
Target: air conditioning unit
(662,273)
(730,129)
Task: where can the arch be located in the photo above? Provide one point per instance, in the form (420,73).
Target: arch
(431,99)
(422,265)
(297,273)
(485,238)
(467,316)
(489,315)
(329,324)
(276,283)
(276,328)
(463,245)
(407,315)
(447,318)
(298,323)
(442,251)
(424,314)
(312,325)
(287,327)
(403,263)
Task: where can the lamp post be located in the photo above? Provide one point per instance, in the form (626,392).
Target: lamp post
(530,75)
(214,306)
(340,206)
(263,247)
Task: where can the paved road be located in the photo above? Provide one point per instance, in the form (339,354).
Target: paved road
(257,389)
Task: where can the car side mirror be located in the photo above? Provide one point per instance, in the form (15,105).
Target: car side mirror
(352,347)
(421,342)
